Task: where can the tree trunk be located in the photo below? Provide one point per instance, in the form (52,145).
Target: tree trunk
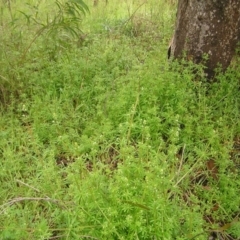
(209,27)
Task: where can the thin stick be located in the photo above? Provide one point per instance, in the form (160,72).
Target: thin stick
(133,112)
(25,184)
(132,15)
(181,160)
(185,174)
(21,199)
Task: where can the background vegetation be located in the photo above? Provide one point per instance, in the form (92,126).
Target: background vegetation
(102,137)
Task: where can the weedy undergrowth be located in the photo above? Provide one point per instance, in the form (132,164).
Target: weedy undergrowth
(109,140)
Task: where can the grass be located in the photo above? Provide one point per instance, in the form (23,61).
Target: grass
(103,138)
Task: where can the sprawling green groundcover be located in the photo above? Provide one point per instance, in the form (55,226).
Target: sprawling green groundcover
(102,137)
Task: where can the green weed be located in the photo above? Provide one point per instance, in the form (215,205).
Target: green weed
(107,139)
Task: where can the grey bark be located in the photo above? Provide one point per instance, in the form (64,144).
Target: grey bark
(207,27)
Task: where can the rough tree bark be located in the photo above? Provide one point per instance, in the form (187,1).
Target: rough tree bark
(207,26)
